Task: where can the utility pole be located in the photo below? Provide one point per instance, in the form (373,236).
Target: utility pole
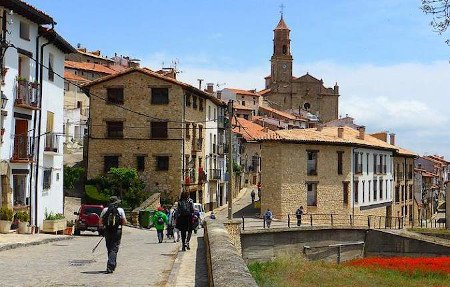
(230,160)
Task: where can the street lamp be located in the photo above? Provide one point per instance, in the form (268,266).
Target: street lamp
(4,101)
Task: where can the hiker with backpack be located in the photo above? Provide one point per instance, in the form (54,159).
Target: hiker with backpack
(112,218)
(268,217)
(184,219)
(159,220)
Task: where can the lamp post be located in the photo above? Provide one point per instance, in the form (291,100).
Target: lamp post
(4,100)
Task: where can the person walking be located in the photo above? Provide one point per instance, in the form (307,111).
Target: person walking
(299,213)
(112,218)
(184,220)
(173,222)
(159,220)
(259,191)
(253,194)
(268,217)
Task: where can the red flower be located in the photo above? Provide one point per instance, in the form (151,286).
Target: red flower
(406,264)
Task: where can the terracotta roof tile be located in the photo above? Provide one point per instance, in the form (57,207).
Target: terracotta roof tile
(327,135)
(249,130)
(81,51)
(72,77)
(279,113)
(243,92)
(89,67)
(281,25)
(238,106)
(263,92)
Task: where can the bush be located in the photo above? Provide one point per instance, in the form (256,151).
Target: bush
(53,216)
(71,176)
(92,196)
(22,216)
(6,213)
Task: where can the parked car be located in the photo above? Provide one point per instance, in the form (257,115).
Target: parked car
(88,219)
(201,210)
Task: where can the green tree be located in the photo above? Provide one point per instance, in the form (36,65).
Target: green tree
(71,176)
(440,9)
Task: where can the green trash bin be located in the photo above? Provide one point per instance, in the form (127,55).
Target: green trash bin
(145,218)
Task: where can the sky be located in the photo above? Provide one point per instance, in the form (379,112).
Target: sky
(392,69)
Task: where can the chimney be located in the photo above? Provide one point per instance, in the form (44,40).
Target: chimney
(340,132)
(97,52)
(362,131)
(392,139)
(336,89)
(210,88)
(219,95)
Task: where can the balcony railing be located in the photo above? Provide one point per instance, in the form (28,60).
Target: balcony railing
(214,174)
(22,148)
(51,142)
(197,144)
(27,95)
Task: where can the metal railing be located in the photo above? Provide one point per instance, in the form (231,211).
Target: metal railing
(338,246)
(22,148)
(27,94)
(325,220)
(51,142)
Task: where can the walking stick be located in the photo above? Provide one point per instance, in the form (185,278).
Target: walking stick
(97,244)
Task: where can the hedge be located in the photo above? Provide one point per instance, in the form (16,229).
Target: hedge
(93,196)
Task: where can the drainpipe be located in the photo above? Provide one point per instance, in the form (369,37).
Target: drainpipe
(36,182)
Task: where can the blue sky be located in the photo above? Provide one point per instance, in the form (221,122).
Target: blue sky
(392,68)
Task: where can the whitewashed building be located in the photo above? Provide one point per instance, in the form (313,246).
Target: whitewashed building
(32,111)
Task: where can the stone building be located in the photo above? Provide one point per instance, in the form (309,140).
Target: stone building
(284,91)
(156,124)
(326,170)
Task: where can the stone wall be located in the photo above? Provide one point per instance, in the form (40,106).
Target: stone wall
(225,264)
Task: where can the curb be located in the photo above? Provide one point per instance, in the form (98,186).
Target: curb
(175,268)
(44,241)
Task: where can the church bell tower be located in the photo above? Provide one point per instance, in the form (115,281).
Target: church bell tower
(281,61)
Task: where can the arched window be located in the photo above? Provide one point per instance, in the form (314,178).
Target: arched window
(284,49)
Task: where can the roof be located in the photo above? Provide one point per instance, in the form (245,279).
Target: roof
(308,78)
(271,121)
(56,39)
(151,73)
(263,92)
(243,92)
(72,77)
(328,135)
(405,152)
(89,67)
(28,11)
(281,25)
(89,54)
(249,130)
(434,160)
(439,158)
(238,106)
(279,113)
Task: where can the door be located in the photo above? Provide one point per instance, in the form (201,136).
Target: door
(20,150)
(19,190)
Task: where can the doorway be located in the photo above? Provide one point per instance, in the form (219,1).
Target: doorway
(20,150)
(19,189)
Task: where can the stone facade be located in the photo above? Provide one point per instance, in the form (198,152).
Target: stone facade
(403,203)
(184,168)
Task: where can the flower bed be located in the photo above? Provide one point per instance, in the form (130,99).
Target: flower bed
(406,264)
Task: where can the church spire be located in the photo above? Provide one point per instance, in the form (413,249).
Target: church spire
(282,25)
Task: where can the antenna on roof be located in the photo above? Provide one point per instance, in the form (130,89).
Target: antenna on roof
(200,83)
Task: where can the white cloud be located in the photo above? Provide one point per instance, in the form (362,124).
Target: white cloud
(409,99)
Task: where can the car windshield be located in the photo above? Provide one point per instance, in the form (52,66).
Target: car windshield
(92,209)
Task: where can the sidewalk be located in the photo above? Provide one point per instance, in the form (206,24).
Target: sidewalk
(14,240)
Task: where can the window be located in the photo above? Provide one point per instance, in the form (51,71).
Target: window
(357,162)
(158,130)
(381,189)
(284,49)
(209,112)
(367,163)
(24,31)
(402,195)
(160,96)
(363,191)
(200,104)
(380,166)
(369,185)
(410,191)
(140,163)
(188,129)
(375,187)
(356,191)
(51,73)
(79,105)
(312,194)
(339,168)
(66,86)
(109,162)
(194,102)
(188,100)
(345,192)
(215,118)
(114,129)
(375,164)
(397,194)
(115,96)
(47,180)
(312,163)
(243,103)
(162,162)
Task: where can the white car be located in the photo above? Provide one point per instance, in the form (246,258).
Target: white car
(200,209)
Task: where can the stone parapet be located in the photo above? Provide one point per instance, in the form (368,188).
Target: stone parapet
(225,264)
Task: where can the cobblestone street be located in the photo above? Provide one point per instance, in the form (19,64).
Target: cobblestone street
(141,262)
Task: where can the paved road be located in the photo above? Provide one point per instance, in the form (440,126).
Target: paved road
(141,262)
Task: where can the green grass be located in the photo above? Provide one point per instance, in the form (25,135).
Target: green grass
(296,271)
(93,196)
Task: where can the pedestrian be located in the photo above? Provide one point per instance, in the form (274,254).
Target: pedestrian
(252,194)
(259,191)
(159,220)
(299,213)
(195,220)
(173,222)
(112,218)
(184,220)
(268,217)
(213,215)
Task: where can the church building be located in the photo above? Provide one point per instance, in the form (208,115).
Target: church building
(286,92)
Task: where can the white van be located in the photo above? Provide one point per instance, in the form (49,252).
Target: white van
(201,210)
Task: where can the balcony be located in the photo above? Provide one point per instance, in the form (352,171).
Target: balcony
(214,174)
(51,143)
(197,144)
(22,149)
(220,149)
(27,95)
(220,122)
